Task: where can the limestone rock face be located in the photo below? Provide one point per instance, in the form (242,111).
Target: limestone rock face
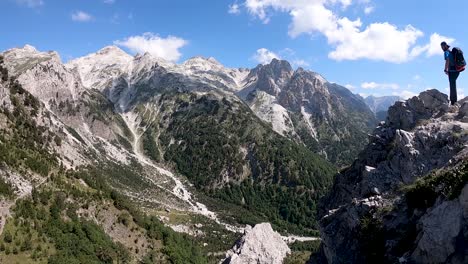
(406,114)
(369,216)
(440,228)
(258,245)
(304,106)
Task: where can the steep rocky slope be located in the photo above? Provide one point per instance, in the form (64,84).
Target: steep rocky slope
(404,199)
(325,117)
(52,214)
(301,105)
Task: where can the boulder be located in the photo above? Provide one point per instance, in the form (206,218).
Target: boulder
(258,245)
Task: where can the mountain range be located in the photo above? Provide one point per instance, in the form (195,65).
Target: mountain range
(113,157)
(226,147)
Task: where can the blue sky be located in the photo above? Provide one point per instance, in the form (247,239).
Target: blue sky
(373,47)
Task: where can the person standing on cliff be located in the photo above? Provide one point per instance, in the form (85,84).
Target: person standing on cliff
(450,71)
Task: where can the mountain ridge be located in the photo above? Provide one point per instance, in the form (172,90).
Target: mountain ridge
(116,73)
(132,130)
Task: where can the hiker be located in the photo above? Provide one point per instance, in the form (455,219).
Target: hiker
(450,71)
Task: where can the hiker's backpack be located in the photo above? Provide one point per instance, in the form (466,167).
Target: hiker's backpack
(459,60)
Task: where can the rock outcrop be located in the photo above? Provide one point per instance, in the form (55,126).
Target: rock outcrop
(404,199)
(259,245)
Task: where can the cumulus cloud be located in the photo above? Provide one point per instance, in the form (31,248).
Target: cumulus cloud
(433,47)
(374,85)
(30,3)
(166,48)
(379,41)
(81,16)
(234,9)
(350,38)
(264,56)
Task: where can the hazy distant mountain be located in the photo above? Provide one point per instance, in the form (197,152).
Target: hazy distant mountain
(380,105)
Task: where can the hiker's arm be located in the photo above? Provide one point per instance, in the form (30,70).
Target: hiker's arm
(447,63)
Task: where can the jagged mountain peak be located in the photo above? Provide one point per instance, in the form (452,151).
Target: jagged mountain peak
(29,48)
(298,99)
(277,66)
(106,56)
(112,49)
(201,59)
(270,77)
(95,69)
(147,59)
(21,59)
(310,74)
(200,63)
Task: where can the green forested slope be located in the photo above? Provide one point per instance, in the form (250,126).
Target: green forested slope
(227,152)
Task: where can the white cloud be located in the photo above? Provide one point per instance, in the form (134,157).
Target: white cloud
(30,3)
(300,63)
(379,41)
(166,48)
(81,16)
(234,9)
(350,87)
(264,56)
(433,47)
(351,40)
(110,2)
(374,85)
(368,10)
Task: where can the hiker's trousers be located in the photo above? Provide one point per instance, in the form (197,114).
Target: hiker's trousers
(453,86)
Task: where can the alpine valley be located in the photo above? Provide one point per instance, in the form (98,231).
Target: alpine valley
(113,158)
